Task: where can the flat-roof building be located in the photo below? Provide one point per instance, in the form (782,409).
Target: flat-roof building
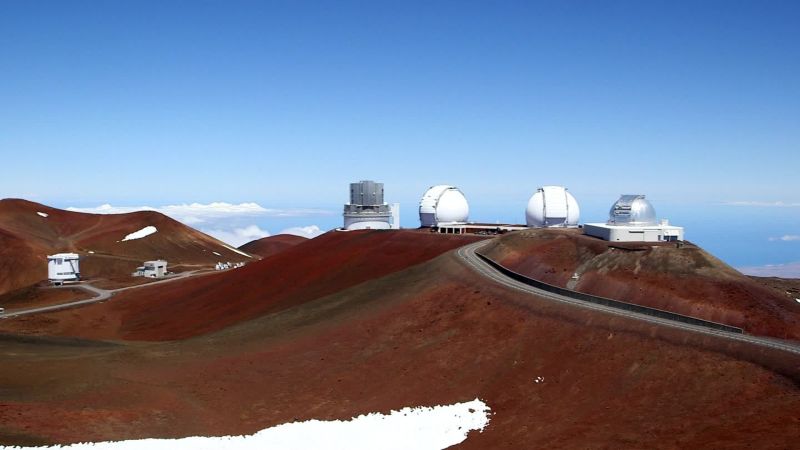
(152,269)
(632,218)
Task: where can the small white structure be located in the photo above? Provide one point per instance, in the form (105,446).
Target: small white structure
(443,206)
(633,219)
(228,265)
(552,206)
(395,216)
(152,269)
(63,267)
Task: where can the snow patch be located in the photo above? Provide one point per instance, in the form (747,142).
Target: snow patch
(435,427)
(237,251)
(144,232)
(42,214)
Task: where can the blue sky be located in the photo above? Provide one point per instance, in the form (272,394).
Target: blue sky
(283,103)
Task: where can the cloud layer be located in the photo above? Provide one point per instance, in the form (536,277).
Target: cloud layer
(790,270)
(228,222)
(194,213)
(775,204)
(310,231)
(786,238)
(238,236)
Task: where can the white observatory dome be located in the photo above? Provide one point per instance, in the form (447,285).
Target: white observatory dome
(552,206)
(443,204)
(632,210)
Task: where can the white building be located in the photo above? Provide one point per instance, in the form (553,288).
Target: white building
(367,210)
(63,267)
(152,269)
(552,206)
(633,219)
(443,207)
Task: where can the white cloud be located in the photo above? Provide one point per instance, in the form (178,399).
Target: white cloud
(310,231)
(776,204)
(790,270)
(786,237)
(238,236)
(438,427)
(195,213)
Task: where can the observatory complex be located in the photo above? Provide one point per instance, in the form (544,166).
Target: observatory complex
(63,267)
(367,210)
(552,206)
(633,219)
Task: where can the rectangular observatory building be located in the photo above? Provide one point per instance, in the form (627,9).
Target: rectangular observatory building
(367,210)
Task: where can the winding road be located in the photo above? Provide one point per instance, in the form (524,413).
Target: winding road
(474,262)
(100,294)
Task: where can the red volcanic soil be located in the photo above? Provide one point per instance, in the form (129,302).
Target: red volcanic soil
(26,239)
(788,287)
(684,280)
(177,310)
(33,296)
(271,245)
(434,333)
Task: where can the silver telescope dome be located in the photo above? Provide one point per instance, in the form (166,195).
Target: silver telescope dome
(632,210)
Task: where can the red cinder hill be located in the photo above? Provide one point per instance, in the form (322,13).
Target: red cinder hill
(315,268)
(271,245)
(555,376)
(684,280)
(27,237)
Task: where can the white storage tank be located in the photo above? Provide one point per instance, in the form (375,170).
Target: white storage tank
(63,267)
(552,206)
(443,204)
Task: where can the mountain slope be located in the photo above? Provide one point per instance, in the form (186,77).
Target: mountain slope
(184,308)
(685,280)
(271,245)
(555,376)
(30,231)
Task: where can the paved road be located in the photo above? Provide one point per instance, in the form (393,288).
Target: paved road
(99,294)
(467,254)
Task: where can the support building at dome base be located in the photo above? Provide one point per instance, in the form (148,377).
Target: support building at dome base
(633,219)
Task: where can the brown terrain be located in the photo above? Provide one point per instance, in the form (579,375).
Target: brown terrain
(26,238)
(684,280)
(35,296)
(788,287)
(350,323)
(184,308)
(271,245)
